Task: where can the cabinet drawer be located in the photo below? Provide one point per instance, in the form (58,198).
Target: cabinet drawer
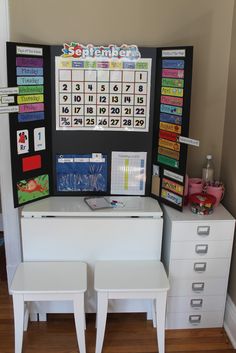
(193,231)
(198,287)
(199,269)
(201,249)
(192,303)
(195,320)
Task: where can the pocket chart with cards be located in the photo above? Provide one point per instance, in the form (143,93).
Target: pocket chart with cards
(98,120)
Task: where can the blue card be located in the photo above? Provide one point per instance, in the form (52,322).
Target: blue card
(81,173)
(173,64)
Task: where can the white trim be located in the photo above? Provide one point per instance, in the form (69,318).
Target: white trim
(9,213)
(230,320)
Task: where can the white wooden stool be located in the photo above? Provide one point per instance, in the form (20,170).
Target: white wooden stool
(40,281)
(130,280)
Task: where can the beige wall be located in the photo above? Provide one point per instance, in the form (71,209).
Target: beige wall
(205,24)
(229,150)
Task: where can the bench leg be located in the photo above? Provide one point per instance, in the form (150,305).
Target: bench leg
(79,315)
(26,316)
(18,305)
(154,319)
(102,305)
(160,320)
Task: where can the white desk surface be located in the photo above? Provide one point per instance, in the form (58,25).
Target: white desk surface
(73,206)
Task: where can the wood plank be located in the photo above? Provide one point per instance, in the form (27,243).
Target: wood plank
(125,333)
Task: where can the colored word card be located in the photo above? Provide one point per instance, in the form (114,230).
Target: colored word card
(171,197)
(102,95)
(172,186)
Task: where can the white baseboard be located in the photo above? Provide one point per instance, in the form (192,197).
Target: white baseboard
(230,320)
(1,223)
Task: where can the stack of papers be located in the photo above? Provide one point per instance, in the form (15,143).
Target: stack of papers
(97,203)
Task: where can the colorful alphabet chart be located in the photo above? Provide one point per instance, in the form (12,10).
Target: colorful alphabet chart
(102,94)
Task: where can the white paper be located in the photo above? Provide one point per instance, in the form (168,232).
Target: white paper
(9,109)
(29,51)
(173,52)
(128,173)
(7,99)
(189,141)
(9,90)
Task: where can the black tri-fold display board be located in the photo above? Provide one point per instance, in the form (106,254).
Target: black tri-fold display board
(99,120)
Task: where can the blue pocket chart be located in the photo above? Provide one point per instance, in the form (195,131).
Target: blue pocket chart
(81,172)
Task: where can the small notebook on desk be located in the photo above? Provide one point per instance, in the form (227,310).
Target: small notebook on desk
(97,203)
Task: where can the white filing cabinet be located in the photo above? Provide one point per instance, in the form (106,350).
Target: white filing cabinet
(66,229)
(196,253)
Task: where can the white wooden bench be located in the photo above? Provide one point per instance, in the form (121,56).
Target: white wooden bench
(131,280)
(42,281)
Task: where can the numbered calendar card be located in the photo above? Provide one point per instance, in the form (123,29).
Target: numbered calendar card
(102,88)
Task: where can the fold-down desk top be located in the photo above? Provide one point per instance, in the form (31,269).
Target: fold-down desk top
(132,206)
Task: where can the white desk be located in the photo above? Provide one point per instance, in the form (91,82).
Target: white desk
(65,229)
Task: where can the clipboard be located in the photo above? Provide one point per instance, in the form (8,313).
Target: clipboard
(97,203)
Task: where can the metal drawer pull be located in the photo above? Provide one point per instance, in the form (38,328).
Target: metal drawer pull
(201,249)
(203,230)
(194,319)
(200,266)
(198,286)
(196,303)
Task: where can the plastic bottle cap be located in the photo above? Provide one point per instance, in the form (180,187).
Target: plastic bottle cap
(209,156)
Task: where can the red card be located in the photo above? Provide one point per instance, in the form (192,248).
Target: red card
(31,163)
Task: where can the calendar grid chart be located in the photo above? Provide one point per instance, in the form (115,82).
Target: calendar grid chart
(102,94)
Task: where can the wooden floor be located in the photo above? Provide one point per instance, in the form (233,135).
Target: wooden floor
(125,333)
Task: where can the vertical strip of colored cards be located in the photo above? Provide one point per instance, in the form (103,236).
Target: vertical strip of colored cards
(30,81)
(170,123)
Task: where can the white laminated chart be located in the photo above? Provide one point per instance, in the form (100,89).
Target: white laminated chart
(102,94)
(128,173)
